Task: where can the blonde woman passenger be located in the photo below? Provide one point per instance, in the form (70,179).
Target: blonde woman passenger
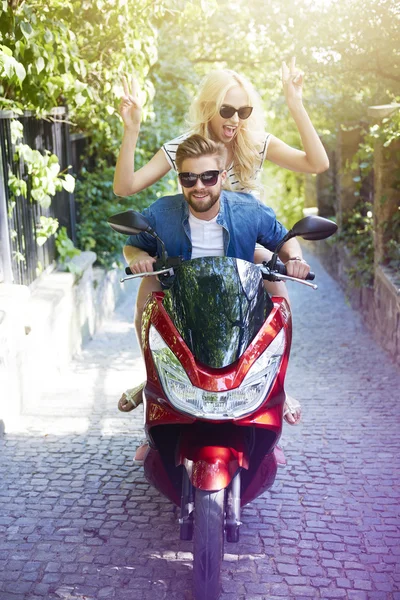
(226,109)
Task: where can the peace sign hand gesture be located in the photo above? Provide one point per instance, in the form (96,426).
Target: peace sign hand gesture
(292,81)
(130,107)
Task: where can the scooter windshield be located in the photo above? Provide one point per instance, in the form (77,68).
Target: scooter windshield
(218,305)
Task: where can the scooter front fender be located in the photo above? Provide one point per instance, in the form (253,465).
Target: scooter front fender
(212,466)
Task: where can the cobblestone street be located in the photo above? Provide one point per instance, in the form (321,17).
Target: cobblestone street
(79,521)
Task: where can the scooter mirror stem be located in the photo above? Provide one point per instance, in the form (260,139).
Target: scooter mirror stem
(274,258)
(164,253)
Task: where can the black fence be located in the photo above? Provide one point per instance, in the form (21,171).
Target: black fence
(21,258)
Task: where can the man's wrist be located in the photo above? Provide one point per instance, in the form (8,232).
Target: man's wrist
(295,258)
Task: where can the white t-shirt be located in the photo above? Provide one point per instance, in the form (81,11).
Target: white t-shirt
(170,154)
(207,237)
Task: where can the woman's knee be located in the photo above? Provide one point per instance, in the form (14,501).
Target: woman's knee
(277,288)
(147,286)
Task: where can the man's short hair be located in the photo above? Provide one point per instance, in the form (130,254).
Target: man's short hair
(196,145)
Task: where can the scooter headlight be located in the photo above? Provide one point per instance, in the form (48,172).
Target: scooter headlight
(216,405)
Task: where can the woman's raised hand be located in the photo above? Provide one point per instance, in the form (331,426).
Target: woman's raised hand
(130,107)
(292,81)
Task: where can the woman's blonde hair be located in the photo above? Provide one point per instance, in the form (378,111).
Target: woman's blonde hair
(247,143)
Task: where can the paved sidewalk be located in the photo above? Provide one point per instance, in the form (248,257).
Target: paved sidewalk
(78,521)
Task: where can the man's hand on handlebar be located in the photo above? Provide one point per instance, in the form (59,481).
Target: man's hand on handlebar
(142,264)
(297,267)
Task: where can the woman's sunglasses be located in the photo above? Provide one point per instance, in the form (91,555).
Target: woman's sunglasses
(226,111)
(208,178)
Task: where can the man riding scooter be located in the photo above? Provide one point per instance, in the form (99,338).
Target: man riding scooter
(207,221)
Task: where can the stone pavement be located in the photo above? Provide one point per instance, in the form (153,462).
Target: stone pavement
(78,521)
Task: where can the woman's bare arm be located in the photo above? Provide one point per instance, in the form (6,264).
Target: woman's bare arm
(313,157)
(126,180)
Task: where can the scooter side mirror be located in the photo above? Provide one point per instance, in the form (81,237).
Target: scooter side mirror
(309,228)
(130,222)
(314,228)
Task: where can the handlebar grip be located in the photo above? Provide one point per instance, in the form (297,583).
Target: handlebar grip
(280,267)
(128,271)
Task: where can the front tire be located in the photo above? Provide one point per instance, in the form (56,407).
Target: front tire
(208,545)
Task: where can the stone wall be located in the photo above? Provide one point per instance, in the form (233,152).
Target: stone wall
(379,306)
(44,326)
(340,188)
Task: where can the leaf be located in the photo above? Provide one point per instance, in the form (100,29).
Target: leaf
(20,48)
(37,194)
(48,36)
(20,71)
(17,131)
(6,50)
(26,29)
(46,201)
(41,238)
(69,183)
(40,64)
(54,168)
(80,99)
(8,65)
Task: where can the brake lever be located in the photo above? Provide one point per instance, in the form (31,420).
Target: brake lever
(280,277)
(170,272)
(275,276)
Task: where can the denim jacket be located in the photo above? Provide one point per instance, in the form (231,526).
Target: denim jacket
(244,219)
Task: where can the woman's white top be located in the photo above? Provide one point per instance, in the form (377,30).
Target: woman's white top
(207,237)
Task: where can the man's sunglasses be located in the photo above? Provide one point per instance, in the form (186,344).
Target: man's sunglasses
(226,111)
(208,178)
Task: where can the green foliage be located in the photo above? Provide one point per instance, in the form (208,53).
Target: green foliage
(66,251)
(43,171)
(357,236)
(96,202)
(48,227)
(386,132)
(65,52)
(68,52)
(284,192)
(10,68)
(392,231)
(44,174)
(43,181)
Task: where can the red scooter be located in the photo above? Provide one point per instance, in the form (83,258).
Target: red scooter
(216,348)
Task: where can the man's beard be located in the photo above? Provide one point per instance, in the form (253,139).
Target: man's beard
(201,205)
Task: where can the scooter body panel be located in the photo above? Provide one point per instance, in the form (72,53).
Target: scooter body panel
(211,464)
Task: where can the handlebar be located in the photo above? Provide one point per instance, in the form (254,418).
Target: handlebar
(165,269)
(281,269)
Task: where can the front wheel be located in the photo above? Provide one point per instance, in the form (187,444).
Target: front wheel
(208,545)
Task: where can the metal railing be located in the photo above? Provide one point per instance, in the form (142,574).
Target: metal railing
(21,258)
